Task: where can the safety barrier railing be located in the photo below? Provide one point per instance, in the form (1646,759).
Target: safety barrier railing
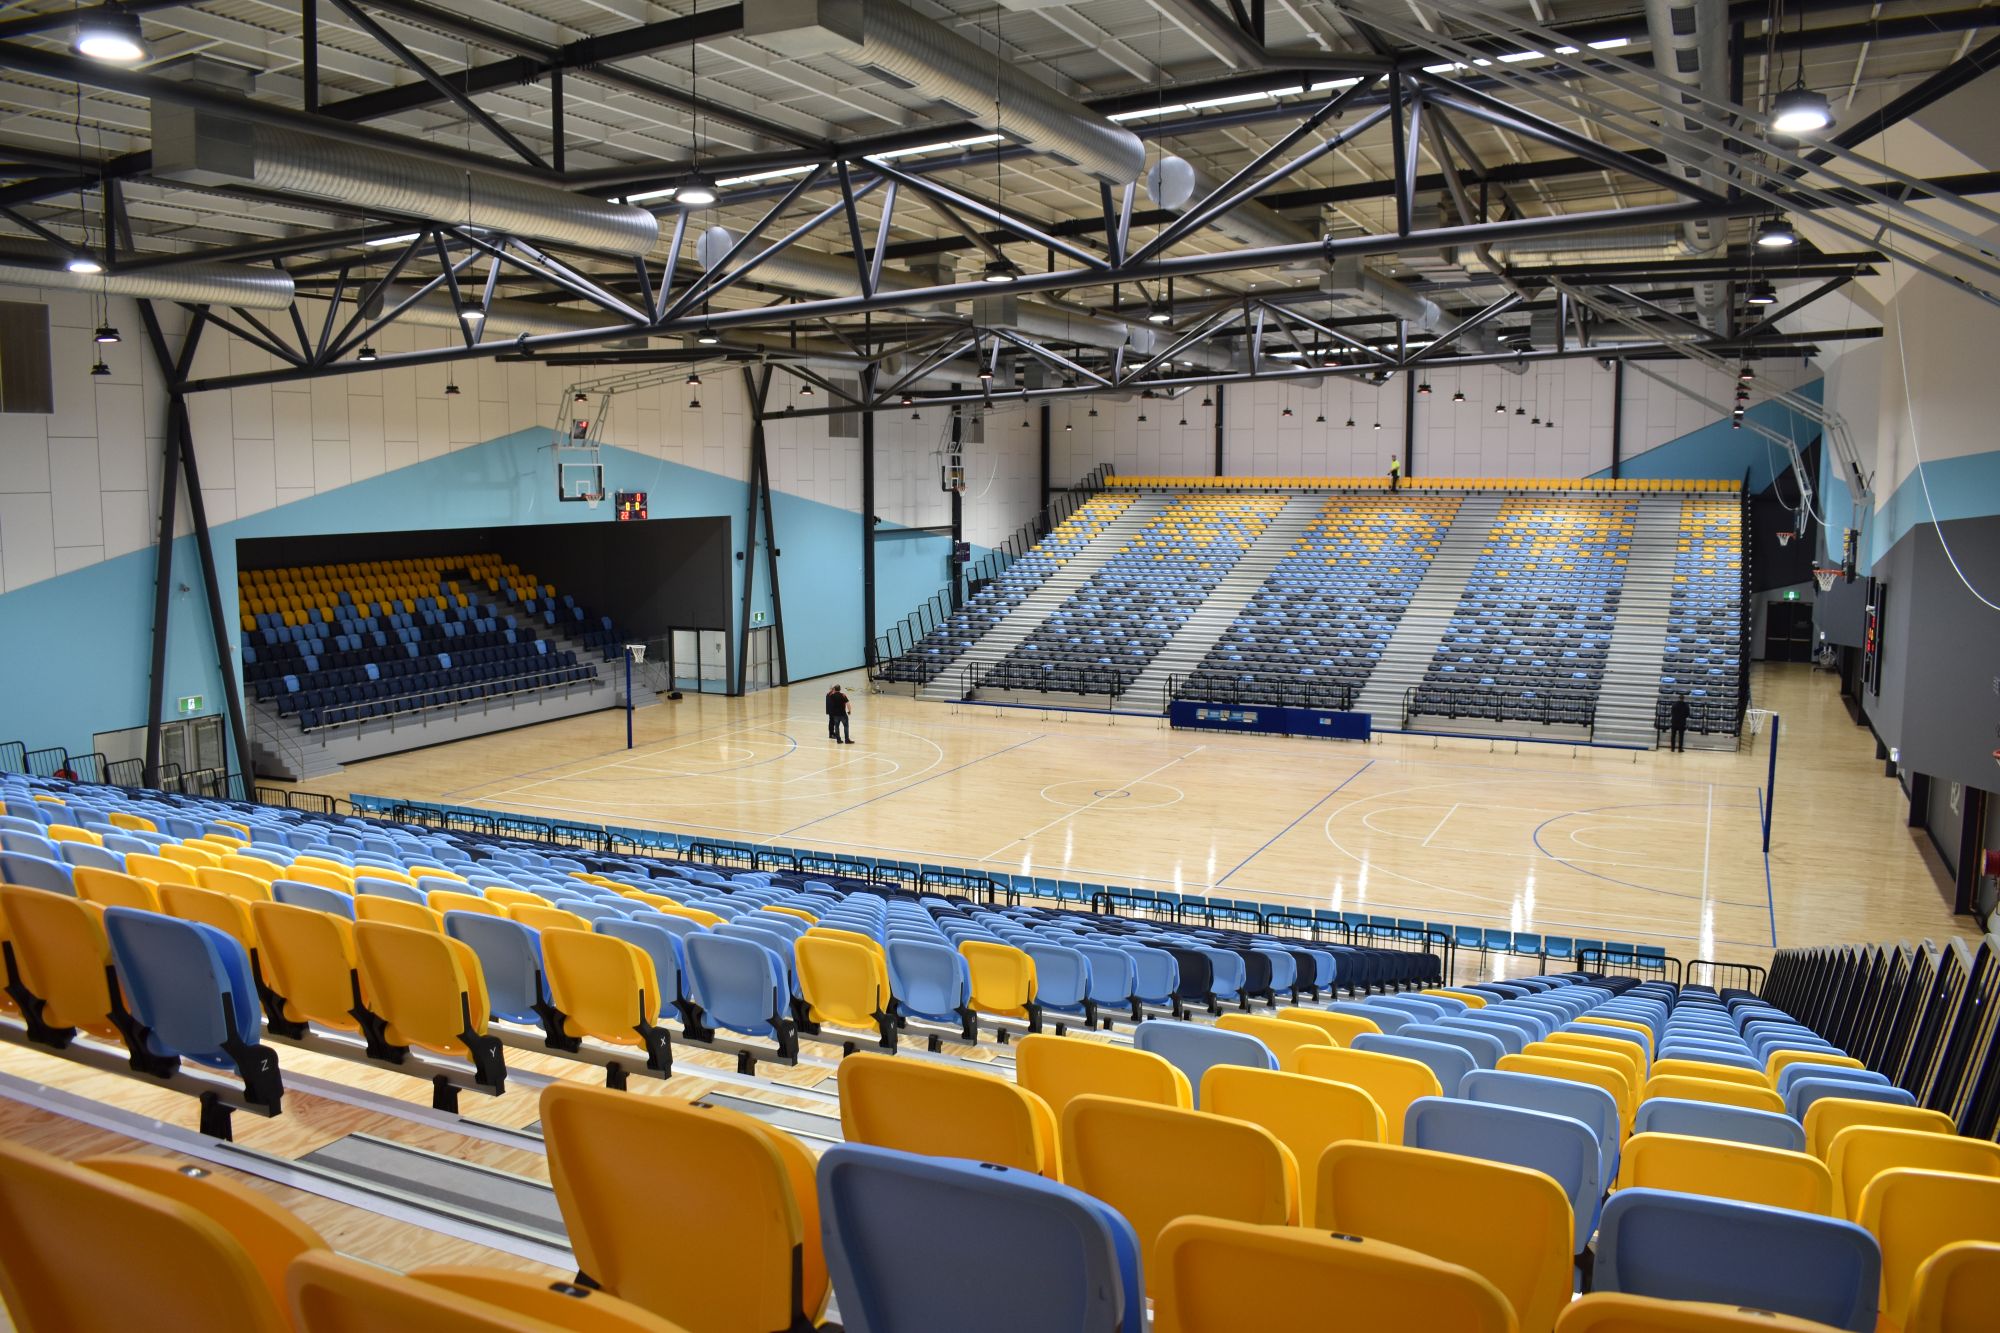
(1706,717)
(1489,703)
(1218,687)
(1087,683)
(1643,962)
(1724,976)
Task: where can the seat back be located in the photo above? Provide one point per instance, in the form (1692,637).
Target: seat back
(633,1174)
(1216,1276)
(604,986)
(1720,1073)
(1113,1150)
(939,1111)
(249,888)
(109,888)
(1394,1081)
(1305,1114)
(36,872)
(845,982)
(426,986)
(1799,1099)
(1597,1076)
(1283,1037)
(510,962)
(928,979)
(1561,1148)
(1692,1247)
(383,910)
(1342,1027)
(1484,1048)
(1711,1120)
(660,945)
(1531,1092)
(1057,1069)
(330,1293)
(1638,1059)
(1958,1287)
(1727,1170)
(1827,1116)
(175,1267)
(1612,1312)
(299,894)
(1003,977)
(739,983)
(1193,1048)
(62,956)
(1862,1152)
(1062,976)
(308,958)
(1449,1063)
(1518,1238)
(228,914)
(892,1277)
(1913,1214)
(187,984)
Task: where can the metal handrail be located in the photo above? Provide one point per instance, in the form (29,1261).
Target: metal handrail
(1084,682)
(1490,702)
(592,682)
(1218,688)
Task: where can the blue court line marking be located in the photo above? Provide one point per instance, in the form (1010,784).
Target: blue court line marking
(1294,824)
(1770,900)
(1613,879)
(912,787)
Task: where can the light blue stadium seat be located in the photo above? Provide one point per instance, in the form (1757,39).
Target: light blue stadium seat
(1511,1039)
(89,854)
(1793,1074)
(1559,1146)
(1712,1120)
(510,958)
(1450,1063)
(36,872)
(1689,1247)
(1389,1020)
(1579,1101)
(740,984)
(1806,1091)
(392,888)
(663,947)
(1156,973)
(1194,1048)
(27,844)
(1228,972)
(1113,977)
(1484,1048)
(292,892)
(892,1277)
(1062,980)
(1531,1025)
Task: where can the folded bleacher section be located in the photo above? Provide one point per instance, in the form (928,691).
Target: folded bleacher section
(1704,646)
(943,646)
(1531,634)
(330,645)
(1103,635)
(1313,633)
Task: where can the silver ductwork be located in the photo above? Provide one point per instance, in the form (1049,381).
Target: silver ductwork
(1640,244)
(1174,183)
(193,283)
(1690,41)
(203,147)
(1353,277)
(505,319)
(895,40)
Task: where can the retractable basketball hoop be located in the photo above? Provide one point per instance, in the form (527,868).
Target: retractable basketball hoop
(1785,538)
(1824,575)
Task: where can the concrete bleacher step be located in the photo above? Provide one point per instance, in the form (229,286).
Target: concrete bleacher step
(1629,692)
(1218,611)
(1422,628)
(1014,628)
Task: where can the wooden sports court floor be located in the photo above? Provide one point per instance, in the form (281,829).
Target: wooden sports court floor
(1652,847)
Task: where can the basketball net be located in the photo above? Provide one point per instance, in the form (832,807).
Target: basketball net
(1825,577)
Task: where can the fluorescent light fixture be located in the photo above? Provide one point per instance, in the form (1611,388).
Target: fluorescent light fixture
(644,195)
(112,36)
(381,241)
(1331,84)
(83,264)
(1515,57)
(755,177)
(976,141)
(1800,110)
(1235,99)
(1151,111)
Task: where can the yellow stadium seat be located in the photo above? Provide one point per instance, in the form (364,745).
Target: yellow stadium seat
(318,876)
(798,912)
(62,957)
(1723,1169)
(1218,1276)
(1714,1090)
(1688,1068)
(174,1268)
(308,958)
(158,869)
(433,872)
(1913,1214)
(71,833)
(1957,1288)
(331,1293)
(191,856)
(1472,999)
(138,823)
(694,914)
(1612,1312)
(938,1111)
(1518,1237)
(1306,1114)
(447,900)
(253,866)
(1059,1069)
(1393,1081)
(228,914)
(396,912)
(1781,1060)
(868,942)
(1635,1054)
(844,978)
(546,917)
(1118,1151)
(1626,1023)
(1860,1153)
(1284,1037)
(426,987)
(234,883)
(606,989)
(109,888)
(1576,1071)
(637,1176)
(1342,1028)
(1003,978)
(1628,1060)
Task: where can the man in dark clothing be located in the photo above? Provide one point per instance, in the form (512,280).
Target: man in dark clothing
(837,708)
(1677,723)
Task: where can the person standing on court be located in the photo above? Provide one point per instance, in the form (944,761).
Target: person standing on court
(1677,723)
(1395,472)
(838,709)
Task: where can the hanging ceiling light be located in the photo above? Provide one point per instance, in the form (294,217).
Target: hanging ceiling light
(1378,425)
(694,380)
(83,264)
(581,397)
(707,337)
(1184,419)
(1159,314)
(1775,234)
(1459,396)
(986,374)
(909,400)
(916,416)
(1535,420)
(1000,269)
(472,315)
(451,388)
(1499,409)
(1550,423)
(1761,293)
(1142,416)
(1350,423)
(697,191)
(694,404)
(1745,375)
(1320,420)
(1287,412)
(805,391)
(1207,401)
(111,35)
(1093,409)
(1520,411)
(366,353)
(1424,389)
(105,334)
(1067,427)
(1800,110)
(1736,424)
(100,368)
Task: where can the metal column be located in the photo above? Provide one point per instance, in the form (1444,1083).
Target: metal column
(1617,416)
(1219,471)
(955,571)
(868,519)
(225,662)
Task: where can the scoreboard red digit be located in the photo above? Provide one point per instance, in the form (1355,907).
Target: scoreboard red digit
(631,506)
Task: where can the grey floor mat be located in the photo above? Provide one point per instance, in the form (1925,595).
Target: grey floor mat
(493,1197)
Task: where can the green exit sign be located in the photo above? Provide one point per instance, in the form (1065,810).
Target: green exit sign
(1791,594)
(188,703)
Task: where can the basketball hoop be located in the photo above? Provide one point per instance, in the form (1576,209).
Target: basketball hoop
(1785,538)
(1824,576)
(636,651)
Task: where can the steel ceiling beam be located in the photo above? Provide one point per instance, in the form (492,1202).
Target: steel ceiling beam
(1981,60)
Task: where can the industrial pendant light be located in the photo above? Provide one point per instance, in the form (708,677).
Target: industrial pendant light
(694,380)
(1207,401)
(1350,423)
(1458,396)
(1142,416)
(1800,110)
(805,391)
(1424,389)
(366,353)
(1761,293)
(1000,269)
(909,400)
(105,334)
(1320,420)
(111,35)
(451,388)
(1499,409)
(707,337)
(1287,412)
(1745,375)
(83,264)
(100,368)
(1776,234)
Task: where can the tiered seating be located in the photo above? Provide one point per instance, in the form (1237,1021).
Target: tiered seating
(1704,648)
(1512,485)
(1105,633)
(335,644)
(948,642)
(1311,636)
(1530,636)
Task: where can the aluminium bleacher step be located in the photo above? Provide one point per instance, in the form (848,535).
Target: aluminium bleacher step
(1424,621)
(1629,691)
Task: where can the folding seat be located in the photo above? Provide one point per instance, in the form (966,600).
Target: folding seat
(1611,1080)
(109,888)
(57,953)
(603,988)
(1859,1153)
(1957,1287)
(176,1267)
(740,985)
(1114,1149)
(1002,981)
(396,912)
(938,1111)
(1305,1114)
(890,1279)
(1724,1169)
(1796,1073)
(1913,1214)
(189,993)
(1448,1062)
(313,896)
(1689,1247)
(1711,1120)
(510,963)
(844,980)
(1283,1037)
(330,1293)
(1193,1048)
(1483,1048)
(930,981)
(428,991)
(1393,1081)
(635,1175)
(36,872)
(1519,1237)
(1780,1060)
(1633,1045)
(1800,1097)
